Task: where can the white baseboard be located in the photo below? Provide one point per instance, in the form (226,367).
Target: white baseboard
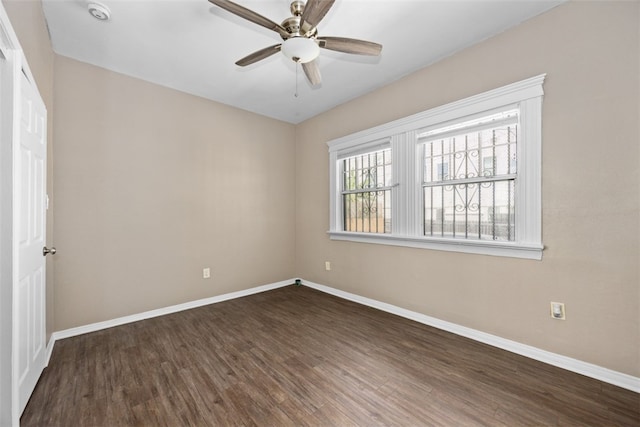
(93,327)
(50,345)
(594,371)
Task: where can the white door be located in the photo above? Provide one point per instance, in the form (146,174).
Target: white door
(29,198)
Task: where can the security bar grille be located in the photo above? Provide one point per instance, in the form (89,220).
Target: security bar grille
(366,192)
(469,180)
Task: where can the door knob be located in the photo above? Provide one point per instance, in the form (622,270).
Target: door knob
(46,251)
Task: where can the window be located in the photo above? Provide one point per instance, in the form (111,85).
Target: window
(464,203)
(463,177)
(366,192)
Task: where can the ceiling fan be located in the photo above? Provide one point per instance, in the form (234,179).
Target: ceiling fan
(299,33)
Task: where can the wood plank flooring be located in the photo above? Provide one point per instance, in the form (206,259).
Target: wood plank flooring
(296,356)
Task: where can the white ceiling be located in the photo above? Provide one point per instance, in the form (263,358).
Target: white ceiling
(192,45)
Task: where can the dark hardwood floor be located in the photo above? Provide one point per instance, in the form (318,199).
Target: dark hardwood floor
(296,356)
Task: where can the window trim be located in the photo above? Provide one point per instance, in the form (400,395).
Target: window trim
(402,135)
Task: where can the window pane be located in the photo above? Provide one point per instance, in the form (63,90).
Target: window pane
(480,211)
(368,212)
(367,171)
(464,195)
(484,153)
(365,210)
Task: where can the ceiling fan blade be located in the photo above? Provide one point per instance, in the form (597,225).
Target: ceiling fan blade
(312,71)
(343,44)
(259,55)
(252,16)
(314,11)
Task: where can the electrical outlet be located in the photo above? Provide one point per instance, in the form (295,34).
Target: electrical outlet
(206,273)
(557,310)
(327,265)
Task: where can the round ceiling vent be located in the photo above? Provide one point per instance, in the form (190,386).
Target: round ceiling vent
(99,11)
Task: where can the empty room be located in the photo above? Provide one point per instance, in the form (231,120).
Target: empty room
(324,213)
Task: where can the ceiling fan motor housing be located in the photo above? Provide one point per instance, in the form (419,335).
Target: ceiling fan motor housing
(292,24)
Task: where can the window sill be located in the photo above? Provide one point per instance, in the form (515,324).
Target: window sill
(503,249)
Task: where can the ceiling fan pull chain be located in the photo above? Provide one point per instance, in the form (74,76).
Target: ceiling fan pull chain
(296,94)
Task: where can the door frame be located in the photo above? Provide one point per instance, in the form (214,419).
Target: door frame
(13,64)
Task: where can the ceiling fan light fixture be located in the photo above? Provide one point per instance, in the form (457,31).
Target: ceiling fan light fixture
(300,49)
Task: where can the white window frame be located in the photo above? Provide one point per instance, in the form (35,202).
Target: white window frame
(407,212)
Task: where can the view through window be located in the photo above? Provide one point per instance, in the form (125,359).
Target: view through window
(469,179)
(366,194)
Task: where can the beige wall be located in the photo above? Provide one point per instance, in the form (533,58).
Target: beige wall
(28,22)
(590,52)
(152,185)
